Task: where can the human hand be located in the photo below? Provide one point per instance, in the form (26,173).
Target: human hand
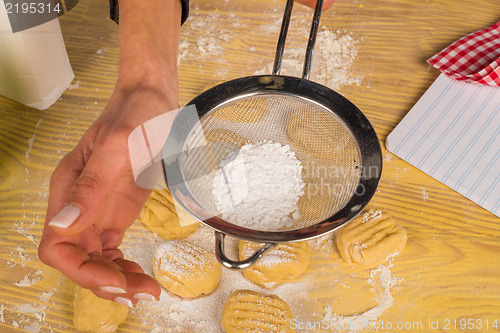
(93,196)
(94,199)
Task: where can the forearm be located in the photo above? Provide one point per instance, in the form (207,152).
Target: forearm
(149,38)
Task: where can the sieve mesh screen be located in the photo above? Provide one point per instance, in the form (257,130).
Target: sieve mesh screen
(328,153)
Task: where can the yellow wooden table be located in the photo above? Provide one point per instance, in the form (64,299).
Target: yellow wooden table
(446,280)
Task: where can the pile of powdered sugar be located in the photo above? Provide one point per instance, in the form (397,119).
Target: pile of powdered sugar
(258,187)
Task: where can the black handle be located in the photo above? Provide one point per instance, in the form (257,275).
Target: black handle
(240,264)
(310,44)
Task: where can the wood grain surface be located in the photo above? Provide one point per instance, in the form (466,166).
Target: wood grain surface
(450,268)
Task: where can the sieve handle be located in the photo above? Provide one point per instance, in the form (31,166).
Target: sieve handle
(235,264)
(310,44)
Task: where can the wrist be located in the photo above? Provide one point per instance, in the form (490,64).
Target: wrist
(149,73)
(149,42)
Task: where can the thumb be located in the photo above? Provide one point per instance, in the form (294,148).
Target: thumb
(83,205)
(86,199)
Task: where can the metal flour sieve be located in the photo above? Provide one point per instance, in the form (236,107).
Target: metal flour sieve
(336,144)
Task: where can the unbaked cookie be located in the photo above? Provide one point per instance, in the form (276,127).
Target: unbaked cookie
(220,142)
(317,203)
(224,135)
(160,215)
(370,238)
(285,262)
(317,134)
(185,269)
(95,314)
(246,111)
(247,311)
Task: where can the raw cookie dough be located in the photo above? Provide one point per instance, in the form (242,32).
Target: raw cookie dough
(317,202)
(224,135)
(247,311)
(220,142)
(159,214)
(246,111)
(370,238)
(185,269)
(285,262)
(317,134)
(95,314)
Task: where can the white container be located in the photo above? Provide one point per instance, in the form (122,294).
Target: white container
(34,64)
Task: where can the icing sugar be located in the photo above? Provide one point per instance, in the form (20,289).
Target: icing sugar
(259,187)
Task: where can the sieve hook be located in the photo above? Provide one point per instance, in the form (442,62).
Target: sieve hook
(310,44)
(226,262)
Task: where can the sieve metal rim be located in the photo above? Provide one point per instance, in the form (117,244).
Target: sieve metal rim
(353,119)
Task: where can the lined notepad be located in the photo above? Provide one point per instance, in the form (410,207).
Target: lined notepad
(452,134)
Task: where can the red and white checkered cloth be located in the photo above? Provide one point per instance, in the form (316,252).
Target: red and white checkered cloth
(474,58)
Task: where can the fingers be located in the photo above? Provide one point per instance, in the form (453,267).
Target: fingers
(91,271)
(104,195)
(109,275)
(92,202)
(140,286)
(86,199)
(63,178)
(68,171)
(312,3)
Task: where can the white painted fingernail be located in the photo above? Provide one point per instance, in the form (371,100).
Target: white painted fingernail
(145,297)
(113,290)
(66,217)
(124,301)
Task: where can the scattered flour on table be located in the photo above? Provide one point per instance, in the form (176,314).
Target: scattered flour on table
(30,316)
(389,157)
(32,139)
(334,54)
(38,311)
(99,52)
(29,280)
(425,196)
(202,314)
(183,51)
(75,85)
(2,317)
(20,251)
(333,57)
(259,186)
(211,37)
